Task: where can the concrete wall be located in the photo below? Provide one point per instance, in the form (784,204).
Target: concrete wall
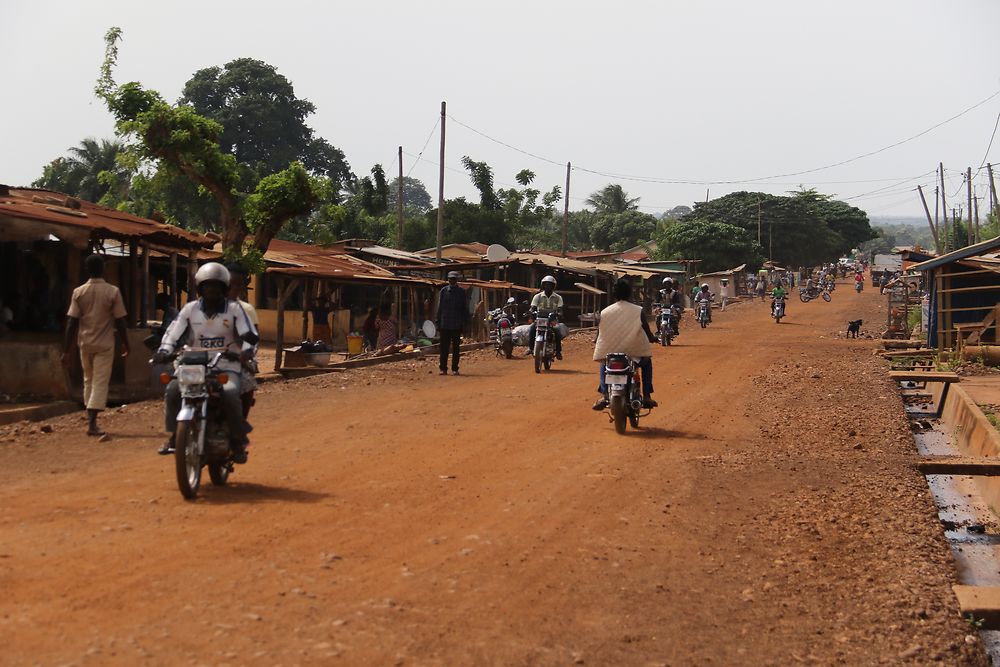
(293,326)
(974,435)
(33,368)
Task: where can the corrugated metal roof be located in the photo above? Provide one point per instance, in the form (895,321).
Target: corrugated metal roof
(962,253)
(55,208)
(579,266)
(301,259)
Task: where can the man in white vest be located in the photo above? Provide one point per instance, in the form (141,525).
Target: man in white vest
(623,328)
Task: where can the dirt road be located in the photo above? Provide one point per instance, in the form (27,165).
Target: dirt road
(768,513)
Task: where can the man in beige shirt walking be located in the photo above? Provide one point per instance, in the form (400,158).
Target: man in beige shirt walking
(95,312)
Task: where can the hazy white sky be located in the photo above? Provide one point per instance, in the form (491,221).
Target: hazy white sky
(704,91)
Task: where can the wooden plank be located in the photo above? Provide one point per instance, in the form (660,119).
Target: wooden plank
(923,376)
(960,465)
(978,288)
(982,602)
(891,344)
(908,353)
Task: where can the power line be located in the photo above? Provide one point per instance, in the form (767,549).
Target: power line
(418,155)
(992,136)
(686,181)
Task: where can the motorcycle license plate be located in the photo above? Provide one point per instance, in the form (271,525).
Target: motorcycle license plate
(616,379)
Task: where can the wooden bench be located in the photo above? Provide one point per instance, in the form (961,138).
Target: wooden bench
(982,602)
(928,376)
(960,465)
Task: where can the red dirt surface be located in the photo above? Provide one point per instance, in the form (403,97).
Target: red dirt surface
(767,513)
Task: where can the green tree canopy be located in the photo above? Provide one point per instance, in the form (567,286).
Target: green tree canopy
(718,245)
(614,232)
(416,199)
(612,198)
(92,171)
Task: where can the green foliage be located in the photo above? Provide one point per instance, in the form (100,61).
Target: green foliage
(416,199)
(612,198)
(249,258)
(719,245)
(614,232)
(804,229)
(482,178)
(278,198)
(95,171)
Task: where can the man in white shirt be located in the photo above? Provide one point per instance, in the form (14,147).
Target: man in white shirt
(545,302)
(724,293)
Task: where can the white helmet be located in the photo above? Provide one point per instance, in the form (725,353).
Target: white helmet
(548,279)
(704,285)
(511,300)
(212,271)
(668,281)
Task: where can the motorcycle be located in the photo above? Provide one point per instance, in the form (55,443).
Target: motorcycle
(778,309)
(667,323)
(624,391)
(202,435)
(545,341)
(501,326)
(807,294)
(704,313)
(858,286)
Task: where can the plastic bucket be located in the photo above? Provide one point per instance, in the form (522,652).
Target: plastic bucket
(354,344)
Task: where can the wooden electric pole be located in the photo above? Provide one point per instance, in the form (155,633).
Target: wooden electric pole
(758,220)
(927,211)
(565,243)
(440,226)
(399,202)
(994,203)
(937,225)
(975,206)
(944,209)
(968,188)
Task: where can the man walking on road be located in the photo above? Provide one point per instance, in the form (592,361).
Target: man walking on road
(95,312)
(452,314)
(724,293)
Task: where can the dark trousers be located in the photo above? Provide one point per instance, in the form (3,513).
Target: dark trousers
(449,338)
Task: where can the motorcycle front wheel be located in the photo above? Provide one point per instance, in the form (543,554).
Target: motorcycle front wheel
(803,297)
(187,460)
(538,359)
(826,297)
(618,413)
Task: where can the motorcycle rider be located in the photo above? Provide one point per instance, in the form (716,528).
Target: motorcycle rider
(778,293)
(545,302)
(705,295)
(215,323)
(623,328)
(672,297)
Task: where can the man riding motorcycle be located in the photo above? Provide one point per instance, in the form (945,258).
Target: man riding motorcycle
(672,297)
(543,303)
(779,293)
(705,295)
(215,323)
(623,328)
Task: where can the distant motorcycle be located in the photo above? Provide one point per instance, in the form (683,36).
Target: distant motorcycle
(704,313)
(624,391)
(667,321)
(807,294)
(778,309)
(501,326)
(858,286)
(202,435)
(545,340)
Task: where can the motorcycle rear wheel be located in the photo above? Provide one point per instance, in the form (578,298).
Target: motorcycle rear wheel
(548,363)
(187,463)
(538,362)
(618,413)
(804,297)
(826,297)
(219,473)
(508,348)
(633,419)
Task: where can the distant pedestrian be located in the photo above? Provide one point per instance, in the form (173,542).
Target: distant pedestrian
(95,312)
(321,319)
(760,288)
(385,324)
(452,314)
(724,293)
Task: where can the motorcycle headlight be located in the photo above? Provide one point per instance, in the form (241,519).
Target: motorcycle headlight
(191,375)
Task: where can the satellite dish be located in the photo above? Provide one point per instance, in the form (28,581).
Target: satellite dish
(497,253)
(429,329)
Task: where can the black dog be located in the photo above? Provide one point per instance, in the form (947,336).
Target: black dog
(853,327)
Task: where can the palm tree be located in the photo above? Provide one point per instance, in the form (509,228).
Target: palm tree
(612,199)
(91,159)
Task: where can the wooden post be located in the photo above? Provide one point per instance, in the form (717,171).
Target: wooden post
(192,267)
(968,188)
(399,202)
(944,208)
(440,218)
(174,296)
(283,293)
(145,285)
(975,205)
(994,203)
(937,244)
(565,241)
(937,225)
(305,308)
(134,300)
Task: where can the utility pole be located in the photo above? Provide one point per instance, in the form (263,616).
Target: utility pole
(968,188)
(758,220)
(399,202)
(440,227)
(565,245)
(706,195)
(975,205)
(944,209)
(927,211)
(994,203)
(937,225)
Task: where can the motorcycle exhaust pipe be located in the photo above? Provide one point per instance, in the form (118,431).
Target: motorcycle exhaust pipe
(636,405)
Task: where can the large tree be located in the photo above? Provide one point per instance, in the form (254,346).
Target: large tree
(92,171)
(615,232)
(416,199)
(719,246)
(612,198)
(178,139)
